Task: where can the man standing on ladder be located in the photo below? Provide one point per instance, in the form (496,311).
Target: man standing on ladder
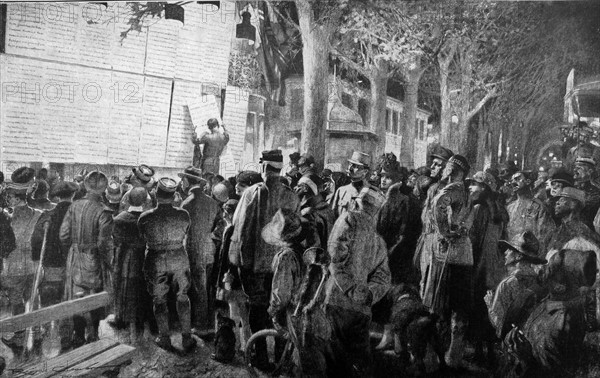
(213,143)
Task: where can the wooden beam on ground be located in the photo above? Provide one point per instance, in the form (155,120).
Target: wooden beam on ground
(58,311)
(95,366)
(55,365)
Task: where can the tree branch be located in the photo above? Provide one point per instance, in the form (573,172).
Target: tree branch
(488,96)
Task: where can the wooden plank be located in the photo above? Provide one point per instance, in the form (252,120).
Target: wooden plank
(58,311)
(100,363)
(60,363)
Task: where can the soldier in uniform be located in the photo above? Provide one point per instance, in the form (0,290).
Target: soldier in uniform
(527,213)
(448,287)
(166,265)
(584,179)
(86,232)
(358,170)
(427,241)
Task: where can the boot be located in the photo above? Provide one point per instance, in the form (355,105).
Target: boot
(457,345)
(387,341)
(164,342)
(188,342)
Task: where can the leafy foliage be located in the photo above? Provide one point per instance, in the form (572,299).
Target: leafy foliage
(139,12)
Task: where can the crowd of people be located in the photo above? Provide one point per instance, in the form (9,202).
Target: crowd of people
(497,257)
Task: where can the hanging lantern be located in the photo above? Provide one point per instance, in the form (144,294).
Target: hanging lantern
(174,12)
(245,29)
(213,3)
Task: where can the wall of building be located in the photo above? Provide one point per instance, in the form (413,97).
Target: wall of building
(75,93)
(288,120)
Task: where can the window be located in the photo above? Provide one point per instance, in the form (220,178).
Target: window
(388,121)
(422,130)
(363,110)
(417,130)
(297,104)
(347,100)
(395,123)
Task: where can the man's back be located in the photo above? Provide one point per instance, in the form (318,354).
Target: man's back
(164,227)
(214,143)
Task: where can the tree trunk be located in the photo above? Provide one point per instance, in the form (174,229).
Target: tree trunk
(482,147)
(446,126)
(411,102)
(315,55)
(379,82)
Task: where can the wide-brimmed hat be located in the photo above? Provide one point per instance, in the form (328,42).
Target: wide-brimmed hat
(483,178)
(166,186)
(285,225)
(461,162)
(113,192)
(573,193)
(193,173)
(526,244)
(360,158)
(95,182)
(562,176)
(441,153)
(64,189)
(144,173)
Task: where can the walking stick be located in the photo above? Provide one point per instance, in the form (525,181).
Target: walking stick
(34,300)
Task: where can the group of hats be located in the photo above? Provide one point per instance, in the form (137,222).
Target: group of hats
(447,155)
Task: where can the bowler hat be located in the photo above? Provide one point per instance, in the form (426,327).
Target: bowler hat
(441,153)
(461,162)
(360,158)
(571,192)
(285,225)
(166,186)
(193,173)
(64,189)
(95,182)
(113,192)
(23,175)
(144,173)
(483,178)
(526,244)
